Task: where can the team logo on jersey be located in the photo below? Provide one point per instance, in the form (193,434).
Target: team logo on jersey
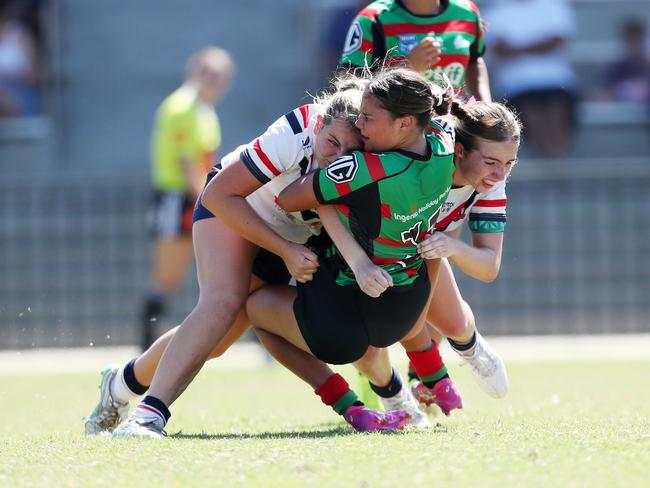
(461,43)
(353,39)
(407,42)
(343,169)
(454,72)
(410,236)
(431,223)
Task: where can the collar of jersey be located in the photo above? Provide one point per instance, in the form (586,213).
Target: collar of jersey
(416,156)
(443,6)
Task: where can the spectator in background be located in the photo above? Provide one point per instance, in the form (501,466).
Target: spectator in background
(19,70)
(628,78)
(434,37)
(528,39)
(186,137)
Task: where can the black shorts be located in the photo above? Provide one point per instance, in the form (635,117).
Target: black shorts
(270,268)
(338,323)
(170,214)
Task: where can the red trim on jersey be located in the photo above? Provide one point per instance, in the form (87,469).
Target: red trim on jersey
(456,214)
(344,209)
(447,59)
(378,261)
(375,166)
(366,46)
(369,12)
(265,159)
(385,211)
(343,189)
(474,8)
(391,242)
(410,272)
(304,110)
(467,26)
(491,203)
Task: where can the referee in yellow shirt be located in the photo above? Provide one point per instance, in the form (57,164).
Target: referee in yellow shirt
(185,140)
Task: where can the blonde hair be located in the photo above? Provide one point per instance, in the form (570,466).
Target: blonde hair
(343,100)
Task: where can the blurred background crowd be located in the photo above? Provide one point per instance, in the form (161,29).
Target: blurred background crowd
(80,82)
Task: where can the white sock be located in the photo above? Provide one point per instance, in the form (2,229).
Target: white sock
(120,392)
(148,413)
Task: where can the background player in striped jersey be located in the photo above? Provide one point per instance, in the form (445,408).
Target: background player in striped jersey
(487,141)
(186,137)
(434,37)
(229,266)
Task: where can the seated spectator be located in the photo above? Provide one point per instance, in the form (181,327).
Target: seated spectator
(528,39)
(19,73)
(628,78)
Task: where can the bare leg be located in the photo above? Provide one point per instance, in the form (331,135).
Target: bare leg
(448,312)
(271,309)
(308,368)
(146,364)
(224,261)
(375,365)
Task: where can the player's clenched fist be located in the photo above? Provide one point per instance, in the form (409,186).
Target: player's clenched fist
(425,54)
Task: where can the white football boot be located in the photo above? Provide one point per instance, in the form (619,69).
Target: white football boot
(108,414)
(405,401)
(139,428)
(488,368)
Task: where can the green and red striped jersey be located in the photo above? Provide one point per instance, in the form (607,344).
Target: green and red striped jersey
(386,30)
(389,201)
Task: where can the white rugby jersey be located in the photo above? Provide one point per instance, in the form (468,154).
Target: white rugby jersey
(486,212)
(277,158)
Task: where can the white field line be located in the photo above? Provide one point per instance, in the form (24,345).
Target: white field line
(249,354)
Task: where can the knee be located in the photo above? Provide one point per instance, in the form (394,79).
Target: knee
(456,326)
(220,308)
(372,355)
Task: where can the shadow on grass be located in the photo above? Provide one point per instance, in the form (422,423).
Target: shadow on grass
(327,431)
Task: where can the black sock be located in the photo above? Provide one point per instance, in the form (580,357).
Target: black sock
(131,381)
(393,386)
(463,347)
(154,402)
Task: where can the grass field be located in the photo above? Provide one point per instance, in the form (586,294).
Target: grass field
(563,424)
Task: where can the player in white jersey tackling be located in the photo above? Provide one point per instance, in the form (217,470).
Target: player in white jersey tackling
(230,267)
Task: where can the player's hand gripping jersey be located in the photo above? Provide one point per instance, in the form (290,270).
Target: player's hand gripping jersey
(277,158)
(384,29)
(389,201)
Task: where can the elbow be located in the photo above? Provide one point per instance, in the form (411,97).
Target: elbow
(283,202)
(488,278)
(490,274)
(286,203)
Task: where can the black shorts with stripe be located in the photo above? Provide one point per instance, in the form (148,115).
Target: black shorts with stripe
(170,214)
(338,323)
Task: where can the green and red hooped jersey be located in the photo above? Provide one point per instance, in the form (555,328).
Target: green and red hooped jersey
(386,30)
(390,201)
